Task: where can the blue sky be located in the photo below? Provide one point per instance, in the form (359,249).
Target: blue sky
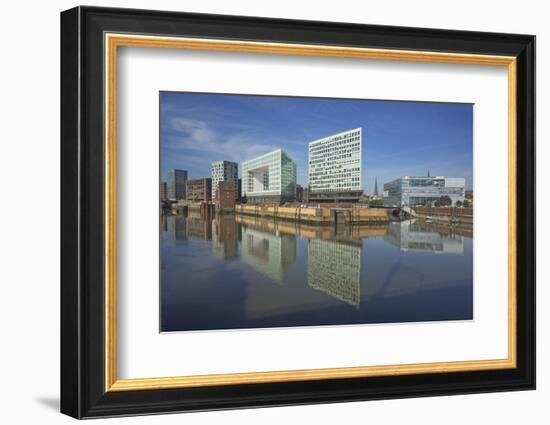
(399,138)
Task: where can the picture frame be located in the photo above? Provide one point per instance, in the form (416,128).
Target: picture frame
(90,40)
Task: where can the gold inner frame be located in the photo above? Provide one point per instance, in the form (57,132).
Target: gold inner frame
(113,41)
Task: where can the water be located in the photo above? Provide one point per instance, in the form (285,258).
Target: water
(237,272)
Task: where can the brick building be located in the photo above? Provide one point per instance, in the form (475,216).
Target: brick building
(163,191)
(226,196)
(199,190)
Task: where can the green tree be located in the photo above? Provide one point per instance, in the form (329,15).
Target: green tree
(458,203)
(466,204)
(445,200)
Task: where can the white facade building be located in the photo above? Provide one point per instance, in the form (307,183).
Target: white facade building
(335,166)
(269,178)
(224,171)
(410,191)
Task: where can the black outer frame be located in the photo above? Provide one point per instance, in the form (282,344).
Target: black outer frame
(82,204)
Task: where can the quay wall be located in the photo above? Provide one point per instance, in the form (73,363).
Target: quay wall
(186,207)
(323,215)
(446,214)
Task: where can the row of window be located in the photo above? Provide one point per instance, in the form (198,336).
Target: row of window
(335,141)
(328,150)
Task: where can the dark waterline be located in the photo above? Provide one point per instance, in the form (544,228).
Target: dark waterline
(235,272)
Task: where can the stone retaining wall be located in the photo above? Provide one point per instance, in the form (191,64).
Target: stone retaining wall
(317,215)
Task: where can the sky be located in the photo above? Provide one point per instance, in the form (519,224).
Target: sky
(398,138)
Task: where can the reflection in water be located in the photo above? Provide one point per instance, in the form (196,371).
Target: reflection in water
(418,236)
(272,254)
(334,268)
(225,236)
(197,228)
(175,227)
(218,273)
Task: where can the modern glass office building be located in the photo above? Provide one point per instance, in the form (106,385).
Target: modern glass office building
(409,191)
(335,167)
(223,171)
(176,183)
(269,179)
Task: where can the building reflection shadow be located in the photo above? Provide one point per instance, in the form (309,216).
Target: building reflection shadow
(330,233)
(175,226)
(334,253)
(335,269)
(272,254)
(244,256)
(421,236)
(270,247)
(225,237)
(198,227)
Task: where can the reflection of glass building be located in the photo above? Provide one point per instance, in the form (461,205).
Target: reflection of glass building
(334,268)
(407,190)
(270,178)
(267,253)
(225,236)
(175,226)
(335,167)
(410,237)
(176,183)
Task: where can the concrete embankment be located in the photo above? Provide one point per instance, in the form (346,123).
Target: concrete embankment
(185,207)
(319,216)
(446,215)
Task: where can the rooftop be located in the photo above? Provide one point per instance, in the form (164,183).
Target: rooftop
(335,135)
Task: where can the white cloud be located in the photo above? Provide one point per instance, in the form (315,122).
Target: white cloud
(197,135)
(194,130)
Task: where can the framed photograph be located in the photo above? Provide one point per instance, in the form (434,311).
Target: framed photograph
(261,212)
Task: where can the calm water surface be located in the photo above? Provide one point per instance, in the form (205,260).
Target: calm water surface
(235,272)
